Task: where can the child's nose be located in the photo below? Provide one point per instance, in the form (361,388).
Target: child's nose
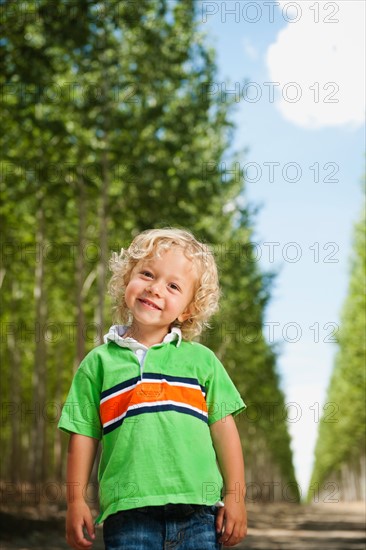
(155,287)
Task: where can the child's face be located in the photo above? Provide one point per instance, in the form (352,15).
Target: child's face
(161,290)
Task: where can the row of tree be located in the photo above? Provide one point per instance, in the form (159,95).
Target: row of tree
(108,129)
(340,454)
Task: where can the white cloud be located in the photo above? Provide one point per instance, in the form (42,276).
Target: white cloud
(313,55)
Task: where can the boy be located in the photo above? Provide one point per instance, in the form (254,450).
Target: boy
(163,407)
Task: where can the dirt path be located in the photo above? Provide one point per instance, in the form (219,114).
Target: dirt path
(271,527)
(330,526)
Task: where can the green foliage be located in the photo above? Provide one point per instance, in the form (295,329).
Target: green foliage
(341,438)
(109,130)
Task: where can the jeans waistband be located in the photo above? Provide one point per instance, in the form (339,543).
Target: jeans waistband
(171,510)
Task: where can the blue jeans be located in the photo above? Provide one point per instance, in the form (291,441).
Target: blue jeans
(169,527)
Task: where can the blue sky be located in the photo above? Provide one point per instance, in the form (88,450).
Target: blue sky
(311,55)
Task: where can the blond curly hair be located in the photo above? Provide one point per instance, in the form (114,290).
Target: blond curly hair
(151,243)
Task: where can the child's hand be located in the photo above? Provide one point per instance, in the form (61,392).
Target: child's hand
(231,521)
(79,516)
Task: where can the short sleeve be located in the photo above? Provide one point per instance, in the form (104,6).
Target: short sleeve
(222,397)
(80,413)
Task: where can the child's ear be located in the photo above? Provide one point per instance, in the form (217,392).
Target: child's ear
(186,314)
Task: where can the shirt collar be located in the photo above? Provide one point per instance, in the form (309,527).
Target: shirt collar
(116,332)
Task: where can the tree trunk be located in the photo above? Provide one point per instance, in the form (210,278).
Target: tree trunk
(57,443)
(15,378)
(80,275)
(37,459)
(103,244)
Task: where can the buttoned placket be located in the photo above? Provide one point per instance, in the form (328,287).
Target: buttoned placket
(116,334)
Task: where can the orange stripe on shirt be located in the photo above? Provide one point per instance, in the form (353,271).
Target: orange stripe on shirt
(150,392)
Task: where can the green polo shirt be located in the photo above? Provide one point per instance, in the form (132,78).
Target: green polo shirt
(153,422)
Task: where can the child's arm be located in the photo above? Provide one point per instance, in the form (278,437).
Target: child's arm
(232,516)
(81,455)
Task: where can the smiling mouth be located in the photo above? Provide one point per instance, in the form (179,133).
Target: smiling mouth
(149,304)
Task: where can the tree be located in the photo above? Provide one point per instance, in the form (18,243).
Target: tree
(340,448)
(110,129)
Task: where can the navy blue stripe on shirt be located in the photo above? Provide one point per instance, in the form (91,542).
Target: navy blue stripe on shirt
(152,376)
(156,408)
(120,386)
